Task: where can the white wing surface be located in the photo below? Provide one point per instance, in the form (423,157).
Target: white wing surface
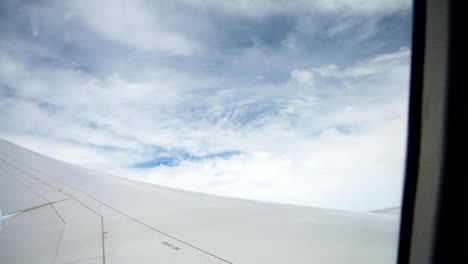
(55,212)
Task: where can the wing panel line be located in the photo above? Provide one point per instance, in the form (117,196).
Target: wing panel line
(71,197)
(108,206)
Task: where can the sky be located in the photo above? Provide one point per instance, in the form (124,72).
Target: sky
(297,102)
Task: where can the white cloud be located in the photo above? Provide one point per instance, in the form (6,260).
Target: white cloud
(383,63)
(333,143)
(301,76)
(361,6)
(360,168)
(327,135)
(140,25)
(267,7)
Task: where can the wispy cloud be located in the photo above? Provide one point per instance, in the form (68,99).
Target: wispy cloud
(253,99)
(175,158)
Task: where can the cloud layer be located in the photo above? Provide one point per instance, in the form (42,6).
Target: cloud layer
(302,103)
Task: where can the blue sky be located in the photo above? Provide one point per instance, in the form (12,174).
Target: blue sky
(300,102)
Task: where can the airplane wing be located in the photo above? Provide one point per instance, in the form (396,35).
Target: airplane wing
(55,212)
(390,210)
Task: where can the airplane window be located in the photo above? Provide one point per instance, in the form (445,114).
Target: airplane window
(290,115)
